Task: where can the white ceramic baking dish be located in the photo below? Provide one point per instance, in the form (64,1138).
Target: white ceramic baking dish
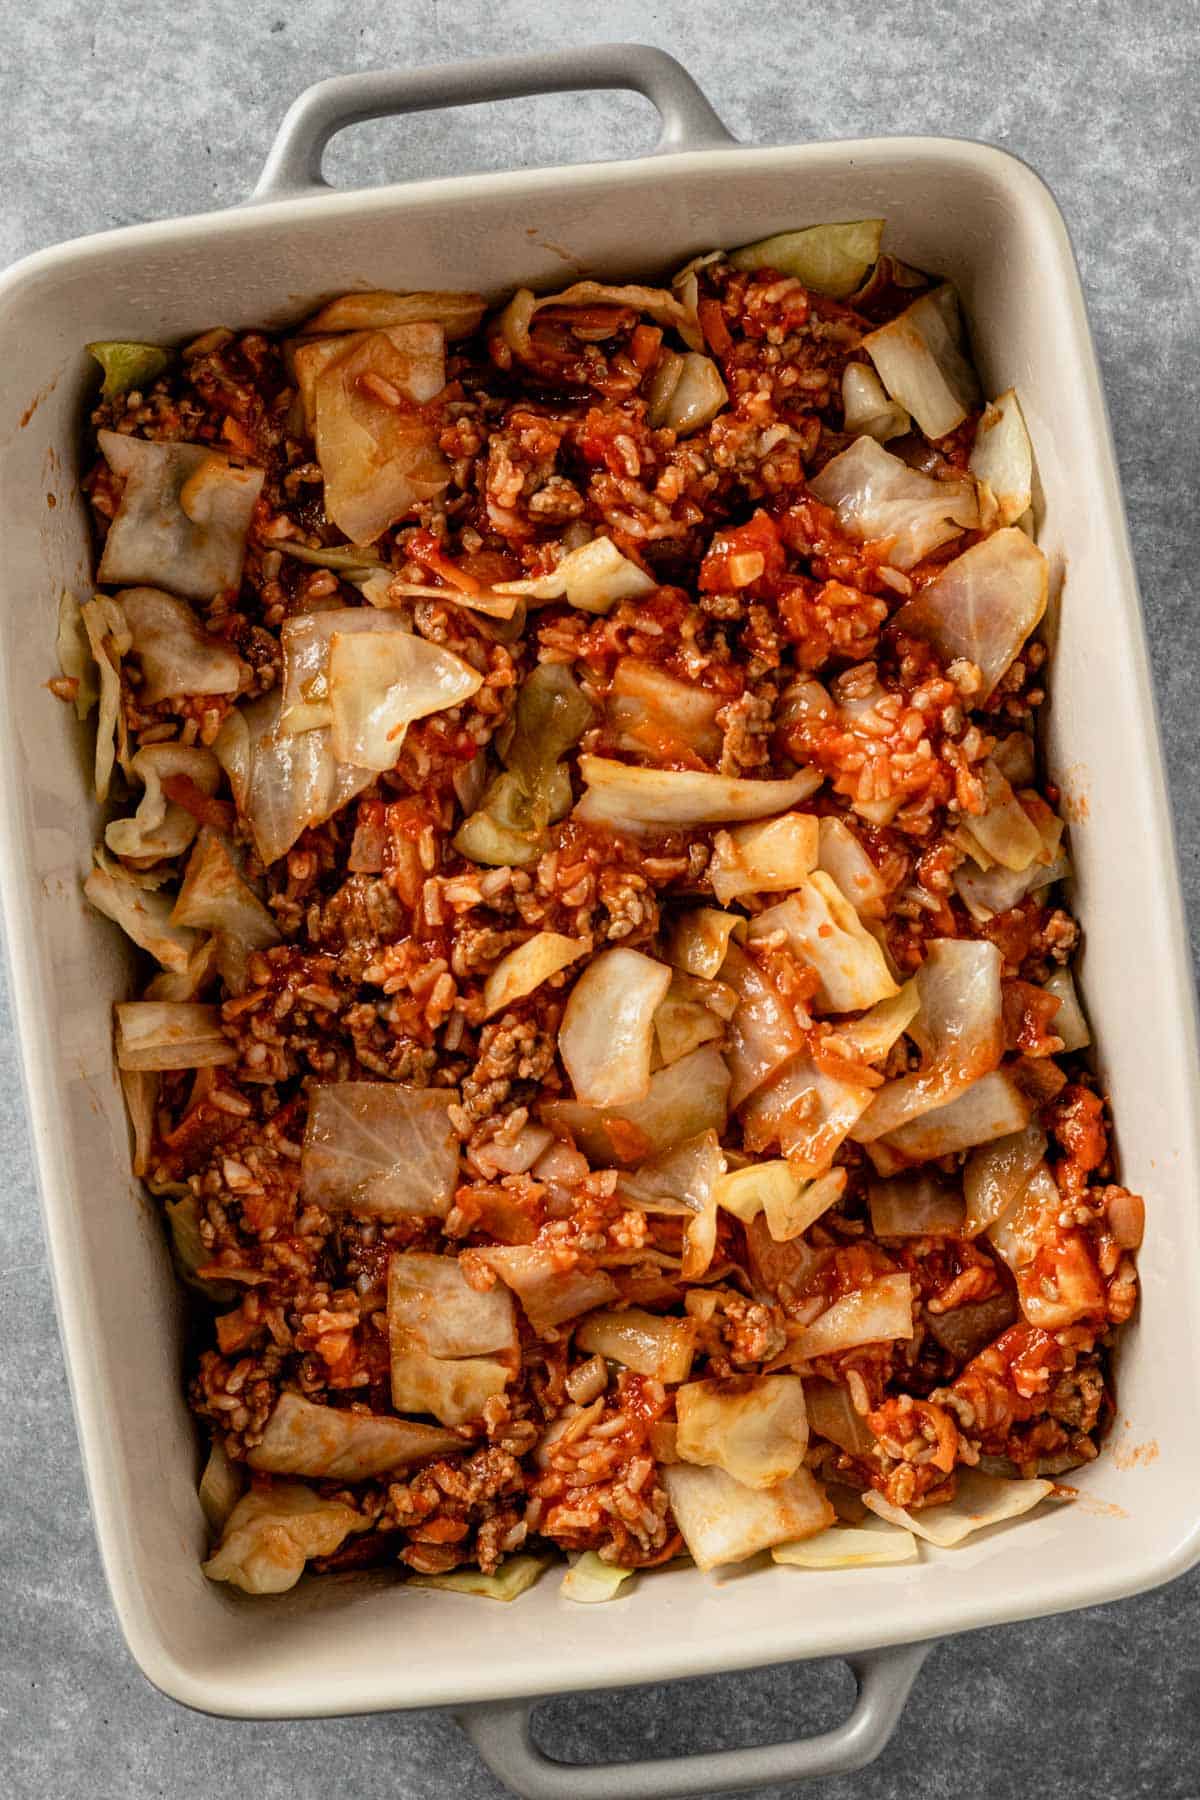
(359,1644)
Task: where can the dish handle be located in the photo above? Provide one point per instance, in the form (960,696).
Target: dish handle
(500,1732)
(293,166)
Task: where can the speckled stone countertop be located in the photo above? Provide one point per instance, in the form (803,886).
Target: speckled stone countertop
(110,115)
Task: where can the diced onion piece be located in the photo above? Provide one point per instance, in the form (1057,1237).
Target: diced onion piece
(161,1034)
(822,928)
(960,1028)
(1069,1022)
(458,314)
(845,1547)
(593,578)
(990,1108)
(876,1314)
(140,1089)
(691,1013)
(214,897)
(877,496)
(1005,832)
(379,683)
(764,1031)
(108,637)
(515,1576)
(832,1415)
(524,969)
(983,605)
(652,713)
(75,655)
(282,784)
(128,365)
(916,1206)
(698,940)
(606,1036)
(807,1112)
(632,799)
(683,1100)
(591,1581)
(328,1443)
(867,409)
(379,458)
(869,1037)
(657,304)
(305,641)
(829,259)
(177,655)
(981,1500)
(549,1294)
(142,914)
(273,1531)
(996,1175)
(160,828)
(788,1215)
(380,1150)
(1002,461)
(723,1521)
(921,359)
(647,1343)
(696,396)
(221,1486)
(182,519)
(752,1426)
(841,855)
(764,857)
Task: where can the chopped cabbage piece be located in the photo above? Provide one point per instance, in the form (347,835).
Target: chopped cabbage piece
(607,1031)
(515,1576)
(1069,1021)
(549,1293)
(869,1037)
(162,1034)
(591,1581)
(593,578)
(842,856)
(832,1415)
(221,1486)
(787,1215)
(960,1028)
(723,1521)
(176,654)
(698,940)
(215,897)
(866,407)
(380,1150)
(305,642)
(379,682)
(686,393)
(514,322)
(764,857)
(552,715)
(990,1108)
(744,1192)
(633,799)
(878,1313)
(983,605)
(273,1531)
(441,1331)
(127,365)
(140,1090)
(282,784)
(182,520)
(916,1206)
(1057,1279)
(848,1547)
(1005,833)
(807,1112)
(190,1254)
(996,1175)
(525,968)
(829,259)
(332,1443)
(683,1100)
(74,654)
(654,714)
(981,1500)
(649,1344)
(455,1389)
(878,497)
(692,1012)
(1002,462)
(753,1426)
(764,1031)
(143,915)
(378,309)
(160,827)
(108,638)
(922,361)
(822,928)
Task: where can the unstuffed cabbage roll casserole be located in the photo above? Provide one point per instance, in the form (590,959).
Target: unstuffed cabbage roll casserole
(606,1051)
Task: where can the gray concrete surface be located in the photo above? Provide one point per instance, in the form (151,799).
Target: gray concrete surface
(113,114)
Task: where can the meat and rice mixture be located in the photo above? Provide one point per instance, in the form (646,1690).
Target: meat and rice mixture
(608,1054)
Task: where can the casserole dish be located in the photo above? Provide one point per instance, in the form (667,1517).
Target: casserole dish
(356,1644)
